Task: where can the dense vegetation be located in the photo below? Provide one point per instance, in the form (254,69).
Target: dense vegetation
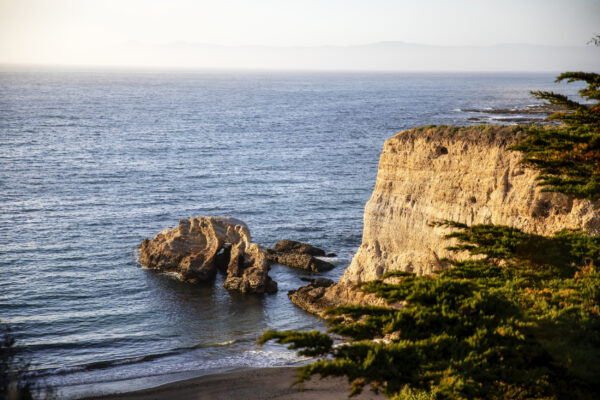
(520,319)
(13,383)
(568,156)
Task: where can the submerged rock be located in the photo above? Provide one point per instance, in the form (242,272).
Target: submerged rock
(197,246)
(319,282)
(292,246)
(302,261)
(299,255)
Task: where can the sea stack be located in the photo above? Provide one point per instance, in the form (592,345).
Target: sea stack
(199,245)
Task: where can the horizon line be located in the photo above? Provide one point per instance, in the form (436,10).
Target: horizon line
(379,42)
(141,68)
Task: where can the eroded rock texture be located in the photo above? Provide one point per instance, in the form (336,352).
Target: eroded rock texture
(300,255)
(197,246)
(460,174)
(292,246)
(318,297)
(444,173)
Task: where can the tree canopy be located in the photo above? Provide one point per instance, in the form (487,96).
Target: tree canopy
(519,320)
(568,155)
(515,324)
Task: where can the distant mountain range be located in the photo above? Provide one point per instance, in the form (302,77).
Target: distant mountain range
(382,56)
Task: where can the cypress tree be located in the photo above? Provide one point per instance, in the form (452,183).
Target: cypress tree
(520,320)
(568,155)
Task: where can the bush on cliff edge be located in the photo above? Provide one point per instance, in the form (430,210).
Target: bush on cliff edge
(519,321)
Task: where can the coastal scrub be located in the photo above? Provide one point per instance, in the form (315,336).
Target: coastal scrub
(520,319)
(509,325)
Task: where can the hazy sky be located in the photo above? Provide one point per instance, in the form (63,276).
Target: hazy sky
(78,31)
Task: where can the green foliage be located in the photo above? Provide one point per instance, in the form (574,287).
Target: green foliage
(520,319)
(564,250)
(512,324)
(15,380)
(568,155)
(314,343)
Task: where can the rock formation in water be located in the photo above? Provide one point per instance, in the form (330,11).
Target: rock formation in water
(300,255)
(447,173)
(198,246)
(320,295)
(292,246)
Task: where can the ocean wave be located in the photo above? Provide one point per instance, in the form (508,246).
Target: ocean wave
(214,344)
(105,364)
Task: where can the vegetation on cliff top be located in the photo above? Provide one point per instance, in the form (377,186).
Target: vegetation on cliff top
(568,156)
(519,320)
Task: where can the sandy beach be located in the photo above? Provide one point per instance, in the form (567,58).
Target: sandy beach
(248,384)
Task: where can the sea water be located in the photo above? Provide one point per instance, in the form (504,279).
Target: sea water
(94,161)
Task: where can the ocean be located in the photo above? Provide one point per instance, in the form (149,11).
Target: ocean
(92,161)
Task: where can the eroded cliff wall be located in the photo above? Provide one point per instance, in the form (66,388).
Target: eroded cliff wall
(460,174)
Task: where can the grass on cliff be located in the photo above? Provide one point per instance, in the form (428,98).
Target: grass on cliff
(519,320)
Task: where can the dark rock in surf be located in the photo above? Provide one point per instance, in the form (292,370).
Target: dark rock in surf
(300,255)
(302,261)
(292,246)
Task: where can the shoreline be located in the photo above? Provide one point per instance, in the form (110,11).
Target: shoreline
(248,384)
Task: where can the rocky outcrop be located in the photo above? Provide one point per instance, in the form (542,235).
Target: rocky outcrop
(299,255)
(460,174)
(302,261)
(446,173)
(319,296)
(198,246)
(292,246)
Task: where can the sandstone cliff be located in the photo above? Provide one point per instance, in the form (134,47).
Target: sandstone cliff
(460,174)
(448,173)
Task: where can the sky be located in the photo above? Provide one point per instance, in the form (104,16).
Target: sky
(89,31)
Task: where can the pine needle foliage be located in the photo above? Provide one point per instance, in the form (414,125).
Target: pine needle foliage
(13,368)
(510,324)
(520,319)
(568,155)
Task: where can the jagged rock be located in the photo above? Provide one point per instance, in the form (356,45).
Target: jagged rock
(302,261)
(292,246)
(319,282)
(248,271)
(197,246)
(299,255)
(317,299)
(544,109)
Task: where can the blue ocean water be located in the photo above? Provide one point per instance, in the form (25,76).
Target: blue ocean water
(94,161)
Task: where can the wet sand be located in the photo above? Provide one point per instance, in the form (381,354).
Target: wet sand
(248,384)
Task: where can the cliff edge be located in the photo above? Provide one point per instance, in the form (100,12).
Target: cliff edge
(465,175)
(439,173)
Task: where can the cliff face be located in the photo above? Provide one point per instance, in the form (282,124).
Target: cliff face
(460,174)
(444,173)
